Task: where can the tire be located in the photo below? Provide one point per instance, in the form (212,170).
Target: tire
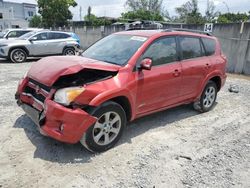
(104,134)
(69,51)
(18,55)
(208,98)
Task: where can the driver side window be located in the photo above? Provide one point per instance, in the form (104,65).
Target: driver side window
(162,51)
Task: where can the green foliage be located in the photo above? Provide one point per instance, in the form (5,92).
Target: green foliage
(95,21)
(145,10)
(233,18)
(189,13)
(142,15)
(146,5)
(210,13)
(55,13)
(36,21)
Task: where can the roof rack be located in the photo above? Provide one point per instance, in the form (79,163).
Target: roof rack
(187,30)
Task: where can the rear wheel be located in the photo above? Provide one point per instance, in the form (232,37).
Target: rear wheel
(69,51)
(107,130)
(208,98)
(18,55)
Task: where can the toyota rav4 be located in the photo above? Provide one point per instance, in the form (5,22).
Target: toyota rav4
(122,77)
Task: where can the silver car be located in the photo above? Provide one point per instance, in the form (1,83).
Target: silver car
(38,44)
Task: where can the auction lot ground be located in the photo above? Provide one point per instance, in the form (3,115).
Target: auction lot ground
(173,148)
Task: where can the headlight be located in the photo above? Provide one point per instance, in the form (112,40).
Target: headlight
(66,95)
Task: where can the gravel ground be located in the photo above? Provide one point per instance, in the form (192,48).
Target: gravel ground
(173,148)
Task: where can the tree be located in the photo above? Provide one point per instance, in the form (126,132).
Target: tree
(142,15)
(36,21)
(95,21)
(55,13)
(233,18)
(146,5)
(145,10)
(189,13)
(89,12)
(210,13)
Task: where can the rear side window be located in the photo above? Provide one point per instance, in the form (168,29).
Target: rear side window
(191,47)
(58,36)
(162,51)
(209,45)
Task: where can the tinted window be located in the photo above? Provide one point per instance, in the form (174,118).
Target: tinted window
(41,36)
(58,36)
(162,51)
(191,47)
(209,45)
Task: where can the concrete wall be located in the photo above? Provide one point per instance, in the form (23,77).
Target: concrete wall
(234,38)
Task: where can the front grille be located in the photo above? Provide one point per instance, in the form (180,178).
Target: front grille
(37,90)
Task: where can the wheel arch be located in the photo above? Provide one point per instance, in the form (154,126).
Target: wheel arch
(18,47)
(217,81)
(125,104)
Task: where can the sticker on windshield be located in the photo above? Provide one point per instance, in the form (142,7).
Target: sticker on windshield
(142,39)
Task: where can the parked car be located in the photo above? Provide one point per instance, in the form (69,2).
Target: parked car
(38,44)
(15,33)
(122,77)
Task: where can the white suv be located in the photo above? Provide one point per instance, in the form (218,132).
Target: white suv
(39,44)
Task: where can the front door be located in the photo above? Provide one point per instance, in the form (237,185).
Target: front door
(39,44)
(160,86)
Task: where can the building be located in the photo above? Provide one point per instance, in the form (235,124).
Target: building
(15,15)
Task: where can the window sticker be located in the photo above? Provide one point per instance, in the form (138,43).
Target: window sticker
(142,39)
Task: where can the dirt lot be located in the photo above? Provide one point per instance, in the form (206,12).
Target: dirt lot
(173,148)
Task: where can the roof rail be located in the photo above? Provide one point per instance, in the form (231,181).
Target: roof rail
(187,30)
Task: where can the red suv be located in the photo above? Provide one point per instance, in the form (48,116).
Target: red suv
(118,79)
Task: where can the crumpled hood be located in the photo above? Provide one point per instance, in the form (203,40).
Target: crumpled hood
(49,69)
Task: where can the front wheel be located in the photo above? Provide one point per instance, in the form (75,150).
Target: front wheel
(105,133)
(18,55)
(208,98)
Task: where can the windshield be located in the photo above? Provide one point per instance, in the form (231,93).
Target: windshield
(3,33)
(115,49)
(27,35)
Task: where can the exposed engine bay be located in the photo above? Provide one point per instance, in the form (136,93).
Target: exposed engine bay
(85,76)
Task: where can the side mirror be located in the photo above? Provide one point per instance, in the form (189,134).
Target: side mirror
(146,64)
(33,39)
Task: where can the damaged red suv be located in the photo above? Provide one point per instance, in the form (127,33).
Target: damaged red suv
(118,79)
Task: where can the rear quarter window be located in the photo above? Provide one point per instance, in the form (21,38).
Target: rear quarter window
(209,45)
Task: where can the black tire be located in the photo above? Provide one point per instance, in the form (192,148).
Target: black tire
(18,55)
(69,51)
(207,101)
(88,138)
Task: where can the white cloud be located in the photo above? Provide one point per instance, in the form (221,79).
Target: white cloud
(114,8)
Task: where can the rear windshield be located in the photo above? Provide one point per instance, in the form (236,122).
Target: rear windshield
(209,45)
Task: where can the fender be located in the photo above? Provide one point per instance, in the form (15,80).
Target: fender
(205,81)
(106,96)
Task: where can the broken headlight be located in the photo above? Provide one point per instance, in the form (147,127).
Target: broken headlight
(66,95)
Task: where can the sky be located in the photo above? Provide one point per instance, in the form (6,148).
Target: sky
(114,8)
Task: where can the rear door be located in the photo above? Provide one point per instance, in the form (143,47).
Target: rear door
(194,64)
(160,86)
(57,41)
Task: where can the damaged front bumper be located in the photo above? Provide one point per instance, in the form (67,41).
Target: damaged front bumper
(56,121)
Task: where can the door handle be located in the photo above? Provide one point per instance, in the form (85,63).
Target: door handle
(176,73)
